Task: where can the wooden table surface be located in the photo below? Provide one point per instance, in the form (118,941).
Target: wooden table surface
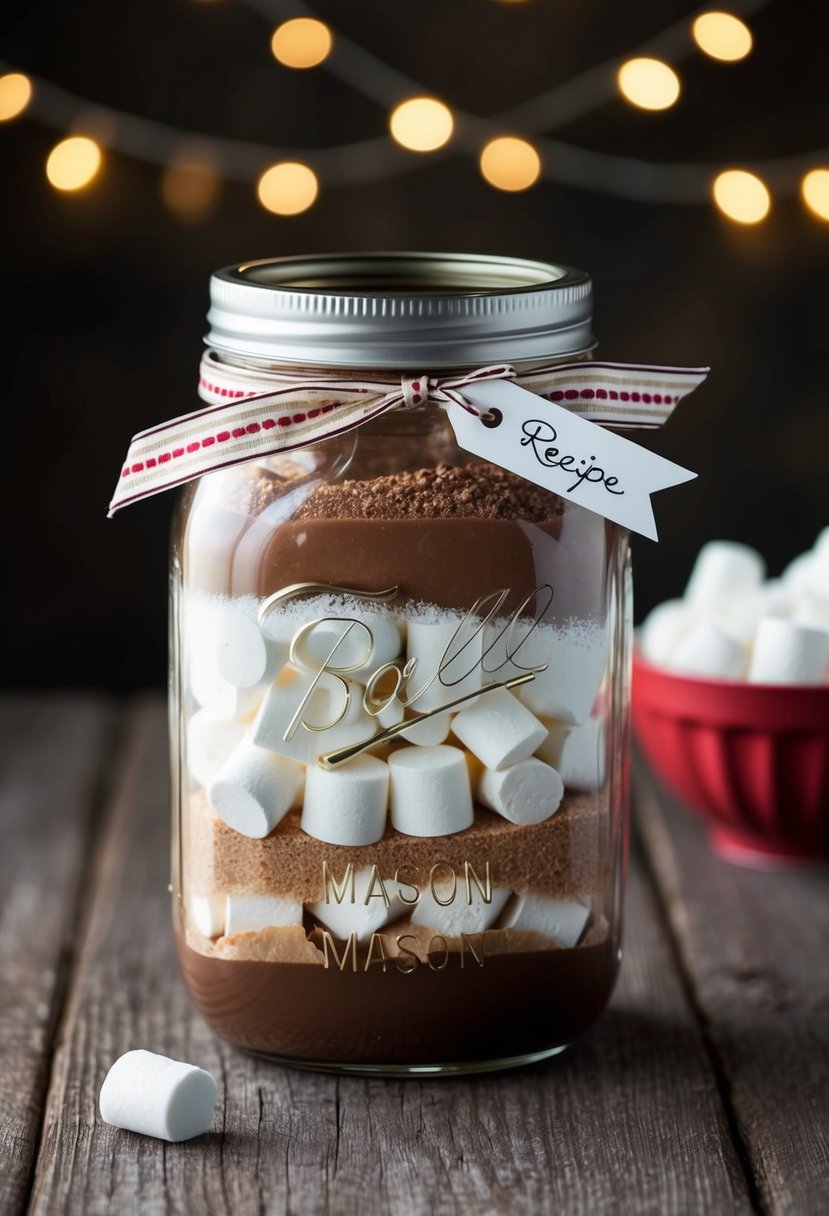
(703,1089)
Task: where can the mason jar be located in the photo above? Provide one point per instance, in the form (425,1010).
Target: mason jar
(399,685)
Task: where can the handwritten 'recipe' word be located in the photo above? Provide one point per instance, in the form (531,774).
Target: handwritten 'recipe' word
(538,434)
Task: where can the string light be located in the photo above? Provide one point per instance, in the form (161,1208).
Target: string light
(287,188)
(649,84)
(15,95)
(302,42)
(421,124)
(190,185)
(742,196)
(73,163)
(509,163)
(722,36)
(814,190)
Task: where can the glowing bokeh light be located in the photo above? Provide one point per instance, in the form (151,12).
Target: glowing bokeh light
(742,196)
(722,36)
(649,84)
(814,190)
(510,164)
(287,188)
(302,42)
(73,163)
(15,95)
(422,124)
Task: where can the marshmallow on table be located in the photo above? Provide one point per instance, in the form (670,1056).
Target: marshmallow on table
(582,764)
(347,805)
(324,706)
(527,792)
(709,651)
(788,653)
(254,789)
(430,792)
(151,1094)
(448,650)
(207,914)
(210,741)
(563,921)
(429,732)
(723,570)
(664,628)
(575,656)
(459,916)
(499,729)
(366,906)
(246,913)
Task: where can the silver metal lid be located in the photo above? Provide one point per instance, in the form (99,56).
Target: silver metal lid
(409,310)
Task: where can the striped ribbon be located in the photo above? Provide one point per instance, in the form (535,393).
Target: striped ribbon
(253,412)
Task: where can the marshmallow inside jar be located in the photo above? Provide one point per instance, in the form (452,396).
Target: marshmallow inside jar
(399,694)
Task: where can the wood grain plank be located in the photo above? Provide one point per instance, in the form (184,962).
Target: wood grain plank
(51,754)
(755,950)
(630,1119)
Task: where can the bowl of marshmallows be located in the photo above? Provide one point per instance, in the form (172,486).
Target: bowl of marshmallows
(731,702)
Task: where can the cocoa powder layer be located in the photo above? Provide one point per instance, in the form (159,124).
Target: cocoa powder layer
(562,857)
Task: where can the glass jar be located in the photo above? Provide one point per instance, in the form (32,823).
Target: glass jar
(399,694)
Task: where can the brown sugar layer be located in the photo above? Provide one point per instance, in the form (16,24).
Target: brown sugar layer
(559,857)
(444,492)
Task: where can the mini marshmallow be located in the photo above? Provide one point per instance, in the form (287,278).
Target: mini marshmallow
(324,706)
(709,651)
(429,732)
(575,656)
(811,610)
(797,576)
(527,792)
(549,750)
(367,905)
(358,649)
(740,618)
(246,913)
(723,570)
(499,729)
(583,761)
(207,914)
(430,792)
(254,789)
(347,805)
(664,628)
(562,921)
(242,653)
(210,741)
(459,916)
(788,653)
(450,651)
(155,1096)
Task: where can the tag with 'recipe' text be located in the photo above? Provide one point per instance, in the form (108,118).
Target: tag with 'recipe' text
(565,454)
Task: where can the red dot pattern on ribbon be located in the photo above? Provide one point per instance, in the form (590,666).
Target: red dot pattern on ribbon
(611,394)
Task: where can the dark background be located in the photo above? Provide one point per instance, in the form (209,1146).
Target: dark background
(104,292)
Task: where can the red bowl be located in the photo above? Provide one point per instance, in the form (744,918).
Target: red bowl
(751,759)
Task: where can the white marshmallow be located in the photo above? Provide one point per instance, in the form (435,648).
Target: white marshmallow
(450,647)
(359,649)
(498,729)
(723,570)
(811,610)
(797,575)
(709,651)
(583,762)
(210,740)
(243,657)
(788,653)
(429,732)
(430,793)
(664,628)
(527,792)
(246,913)
(741,617)
(207,914)
(459,916)
(217,695)
(575,656)
(347,805)
(549,750)
(390,714)
(254,789)
(563,921)
(367,905)
(151,1094)
(325,704)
